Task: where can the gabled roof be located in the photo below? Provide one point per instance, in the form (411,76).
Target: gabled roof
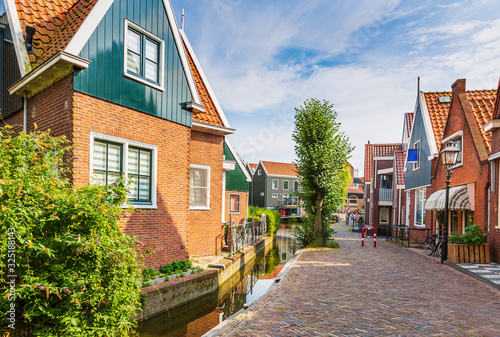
(438,113)
(236,156)
(213,113)
(55,21)
(385,150)
(354,190)
(409,122)
(280,169)
(252,167)
(399,158)
(368,161)
(482,103)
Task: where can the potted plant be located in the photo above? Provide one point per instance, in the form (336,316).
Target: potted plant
(470,247)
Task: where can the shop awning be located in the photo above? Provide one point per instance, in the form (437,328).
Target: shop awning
(458,199)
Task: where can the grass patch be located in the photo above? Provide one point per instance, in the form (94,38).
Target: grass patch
(318,243)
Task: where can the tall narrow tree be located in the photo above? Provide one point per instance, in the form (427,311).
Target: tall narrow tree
(322,152)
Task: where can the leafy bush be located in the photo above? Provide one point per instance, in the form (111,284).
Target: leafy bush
(76,270)
(473,235)
(439,216)
(176,267)
(273,218)
(455,238)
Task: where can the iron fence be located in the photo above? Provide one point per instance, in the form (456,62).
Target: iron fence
(244,234)
(405,234)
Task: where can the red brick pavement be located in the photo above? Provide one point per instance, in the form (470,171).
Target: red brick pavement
(383,291)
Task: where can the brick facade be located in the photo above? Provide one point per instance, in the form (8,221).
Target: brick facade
(243,214)
(171,225)
(205,227)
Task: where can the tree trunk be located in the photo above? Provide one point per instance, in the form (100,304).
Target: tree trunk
(317,218)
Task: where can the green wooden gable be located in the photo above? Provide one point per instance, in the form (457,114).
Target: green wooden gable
(105,77)
(235,180)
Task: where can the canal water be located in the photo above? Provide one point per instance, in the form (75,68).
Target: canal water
(200,316)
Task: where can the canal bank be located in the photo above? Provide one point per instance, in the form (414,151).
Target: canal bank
(163,297)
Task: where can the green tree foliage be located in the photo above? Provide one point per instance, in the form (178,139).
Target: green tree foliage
(322,152)
(76,270)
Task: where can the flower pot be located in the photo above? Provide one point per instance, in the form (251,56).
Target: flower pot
(460,253)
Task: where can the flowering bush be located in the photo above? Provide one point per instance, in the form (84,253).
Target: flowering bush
(76,271)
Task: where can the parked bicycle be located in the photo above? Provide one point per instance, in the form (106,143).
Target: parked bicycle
(433,245)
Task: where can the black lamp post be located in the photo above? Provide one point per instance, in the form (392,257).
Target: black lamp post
(449,158)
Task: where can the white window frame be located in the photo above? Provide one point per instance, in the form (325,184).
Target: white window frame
(416,165)
(288,185)
(453,139)
(126,143)
(274,196)
(277,184)
(380,216)
(259,172)
(207,206)
(161,50)
(354,198)
(239,203)
(285,196)
(423,206)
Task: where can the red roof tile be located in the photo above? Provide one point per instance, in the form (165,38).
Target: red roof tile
(55,21)
(385,150)
(438,113)
(409,122)
(280,169)
(253,167)
(400,157)
(210,115)
(483,103)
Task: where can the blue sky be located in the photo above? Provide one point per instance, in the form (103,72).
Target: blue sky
(265,57)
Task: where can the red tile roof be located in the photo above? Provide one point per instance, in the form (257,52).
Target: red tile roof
(210,115)
(280,169)
(400,157)
(354,190)
(438,113)
(409,122)
(253,167)
(55,21)
(482,103)
(385,150)
(368,162)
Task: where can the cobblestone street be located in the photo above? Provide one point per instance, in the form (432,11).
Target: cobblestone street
(383,291)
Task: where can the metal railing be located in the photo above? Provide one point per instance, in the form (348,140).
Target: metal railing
(404,234)
(291,200)
(245,234)
(385,194)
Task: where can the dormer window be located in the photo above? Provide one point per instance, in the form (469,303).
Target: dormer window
(143,56)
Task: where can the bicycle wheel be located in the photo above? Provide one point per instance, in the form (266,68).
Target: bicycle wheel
(429,247)
(439,248)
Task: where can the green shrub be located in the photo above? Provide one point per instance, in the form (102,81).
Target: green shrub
(76,270)
(455,238)
(473,235)
(273,218)
(176,267)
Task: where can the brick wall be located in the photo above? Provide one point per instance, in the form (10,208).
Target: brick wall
(494,227)
(237,217)
(205,227)
(163,230)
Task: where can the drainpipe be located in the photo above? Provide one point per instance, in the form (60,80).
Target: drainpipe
(25,108)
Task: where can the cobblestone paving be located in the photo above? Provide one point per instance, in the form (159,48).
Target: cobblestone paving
(383,291)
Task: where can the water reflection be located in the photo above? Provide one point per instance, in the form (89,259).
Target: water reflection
(200,316)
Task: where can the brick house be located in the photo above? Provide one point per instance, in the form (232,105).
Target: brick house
(355,188)
(379,180)
(470,182)
(122,88)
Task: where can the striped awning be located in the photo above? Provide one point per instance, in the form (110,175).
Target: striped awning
(458,199)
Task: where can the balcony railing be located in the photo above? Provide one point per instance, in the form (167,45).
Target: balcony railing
(385,194)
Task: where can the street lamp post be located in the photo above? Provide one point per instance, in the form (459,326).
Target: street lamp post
(449,158)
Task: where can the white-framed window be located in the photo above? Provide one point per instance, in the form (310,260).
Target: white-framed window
(259,172)
(111,156)
(419,207)
(353,200)
(275,184)
(199,187)
(234,203)
(384,215)
(286,185)
(144,56)
(285,196)
(417,146)
(275,195)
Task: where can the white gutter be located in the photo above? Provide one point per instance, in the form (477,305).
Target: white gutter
(25,110)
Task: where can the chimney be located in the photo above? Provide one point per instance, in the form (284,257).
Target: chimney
(458,88)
